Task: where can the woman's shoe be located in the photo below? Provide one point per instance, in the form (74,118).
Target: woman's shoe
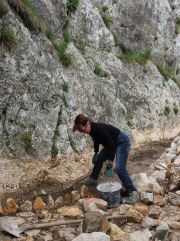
(133,198)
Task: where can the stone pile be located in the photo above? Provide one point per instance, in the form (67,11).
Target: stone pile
(156,217)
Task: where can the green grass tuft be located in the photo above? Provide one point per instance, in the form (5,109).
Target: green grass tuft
(54,151)
(3,8)
(26,139)
(104,8)
(168,72)
(50,35)
(176,110)
(65,87)
(99,71)
(29,15)
(8,38)
(107,20)
(67,36)
(177,25)
(167,110)
(132,56)
(65,58)
(72,5)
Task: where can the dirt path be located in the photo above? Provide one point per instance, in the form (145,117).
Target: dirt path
(140,160)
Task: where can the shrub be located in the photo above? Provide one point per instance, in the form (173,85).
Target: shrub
(80,45)
(167,110)
(29,14)
(50,35)
(168,72)
(104,8)
(65,87)
(176,110)
(3,8)
(99,71)
(71,142)
(117,40)
(54,151)
(107,20)
(65,58)
(177,25)
(65,101)
(8,38)
(72,5)
(26,139)
(177,70)
(67,36)
(132,56)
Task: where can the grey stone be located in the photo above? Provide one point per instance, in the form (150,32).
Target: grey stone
(26,206)
(147,197)
(143,235)
(93,221)
(59,201)
(174,198)
(154,211)
(148,222)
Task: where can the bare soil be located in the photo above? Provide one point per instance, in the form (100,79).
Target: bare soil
(140,160)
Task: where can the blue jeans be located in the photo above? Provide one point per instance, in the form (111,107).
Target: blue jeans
(122,151)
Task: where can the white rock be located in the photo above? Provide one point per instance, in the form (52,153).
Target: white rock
(159,175)
(148,222)
(95,236)
(176,162)
(33,232)
(146,197)
(162,226)
(154,186)
(141,181)
(161,165)
(91,204)
(143,235)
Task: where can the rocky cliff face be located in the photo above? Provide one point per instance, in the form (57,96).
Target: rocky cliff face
(107,76)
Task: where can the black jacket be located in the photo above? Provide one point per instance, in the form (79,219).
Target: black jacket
(105,135)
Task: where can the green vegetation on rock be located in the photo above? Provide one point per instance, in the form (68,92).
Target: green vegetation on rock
(65,58)
(168,73)
(167,110)
(29,15)
(8,38)
(3,8)
(72,5)
(177,25)
(130,55)
(176,110)
(26,139)
(105,17)
(99,71)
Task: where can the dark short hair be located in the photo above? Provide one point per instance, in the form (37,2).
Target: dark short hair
(80,120)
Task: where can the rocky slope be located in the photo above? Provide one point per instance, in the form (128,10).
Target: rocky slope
(155,217)
(41,95)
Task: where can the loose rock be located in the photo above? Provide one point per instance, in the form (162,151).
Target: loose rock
(134,215)
(71,212)
(142,208)
(148,222)
(39,204)
(147,197)
(26,206)
(155,212)
(10,206)
(95,236)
